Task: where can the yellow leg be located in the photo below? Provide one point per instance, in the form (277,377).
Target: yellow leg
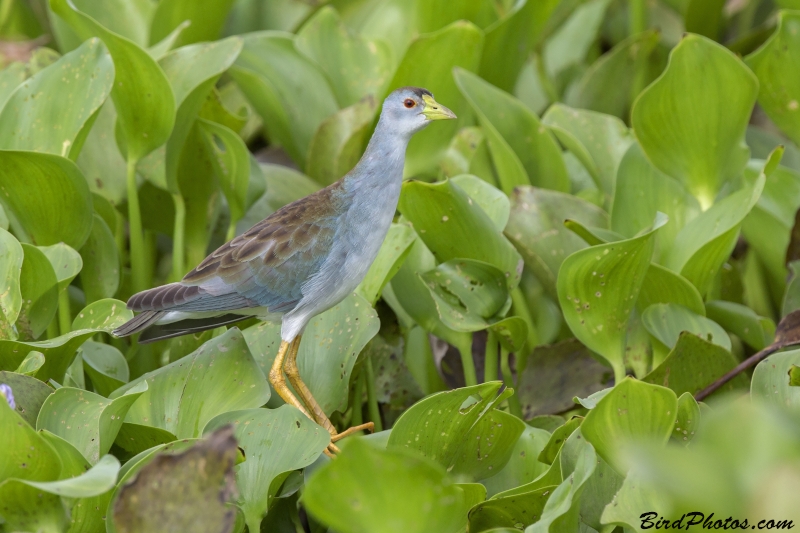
(293,373)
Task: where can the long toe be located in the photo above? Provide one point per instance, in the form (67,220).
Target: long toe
(369,426)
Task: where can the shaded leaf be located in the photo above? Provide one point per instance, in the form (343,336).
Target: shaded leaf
(206,20)
(29,394)
(666,322)
(39,289)
(101,268)
(11,261)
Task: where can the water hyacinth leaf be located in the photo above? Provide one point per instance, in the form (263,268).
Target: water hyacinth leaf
(231,163)
(141,93)
(393,251)
(704,244)
(597,289)
(183,396)
(536,227)
(131,19)
(39,289)
(590,402)
(420,498)
(693,364)
(607,85)
(100,160)
(332,342)
(66,263)
(632,412)
(10,78)
(509,41)
(641,191)
(662,286)
(467,293)
(771,380)
(512,512)
(85,419)
(11,261)
(523,465)
(512,332)
(636,493)
(29,394)
(573,31)
(136,438)
(48,111)
(58,353)
(275,442)
(206,20)
(688,420)
(665,322)
(339,141)
(493,202)
(102,315)
(356,67)
(429,62)
(31,364)
(488,446)
(703,146)
(167,44)
(507,121)
(453,226)
(287,90)
(101,269)
(106,367)
(598,141)
(166,491)
(756,331)
(98,479)
(552,447)
(48,196)
(778,90)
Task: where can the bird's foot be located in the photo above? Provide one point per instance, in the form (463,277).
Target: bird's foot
(332,449)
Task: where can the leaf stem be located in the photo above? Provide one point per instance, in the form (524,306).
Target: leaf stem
(619,373)
(64,316)
(137,255)
(372,399)
(178,233)
(490,358)
(513,401)
(637,16)
(465,351)
(547,84)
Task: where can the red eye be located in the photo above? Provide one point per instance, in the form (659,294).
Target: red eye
(409,103)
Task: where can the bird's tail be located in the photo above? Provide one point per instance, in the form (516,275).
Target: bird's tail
(138,323)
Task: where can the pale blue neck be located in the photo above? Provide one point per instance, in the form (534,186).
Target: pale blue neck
(381,167)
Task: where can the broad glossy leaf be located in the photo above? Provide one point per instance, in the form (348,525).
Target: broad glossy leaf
(493,202)
(633,412)
(429,62)
(665,322)
(636,493)
(642,191)
(772,65)
(598,141)
(11,261)
(29,394)
(329,349)
(688,420)
(85,419)
(339,141)
(512,512)
(48,111)
(420,497)
(569,44)
(98,479)
(100,160)
(662,286)
(100,274)
(771,380)
(391,255)
(754,330)
(105,365)
(607,85)
(142,95)
(31,364)
(10,78)
(550,453)
(523,465)
(506,120)
(102,315)
(206,20)
(287,89)
(704,17)
(597,289)
(693,364)
(701,145)
(48,196)
(453,226)
(129,18)
(510,40)
(58,353)
(536,227)
(356,67)
(275,442)
(231,163)
(183,396)
(39,289)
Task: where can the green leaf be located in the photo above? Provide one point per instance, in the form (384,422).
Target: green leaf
(183,396)
(492,200)
(102,315)
(632,412)
(48,196)
(598,141)
(772,65)
(429,62)
(95,481)
(551,450)
(106,367)
(231,163)
(86,420)
(595,287)
(704,17)
(536,227)
(420,497)
(206,20)
(287,90)
(523,465)
(794,376)
(393,251)
(39,289)
(665,322)
(688,420)
(636,493)
(693,364)
(569,45)
(662,286)
(131,19)
(756,331)
(31,364)
(10,78)
(771,383)
(66,263)
(275,442)
(512,512)
(101,267)
(142,95)
(691,121)
(29,394)
(49,110)
(509,125)
(11,261)
(100,160)
(284,185)
(356,67)
(453,226)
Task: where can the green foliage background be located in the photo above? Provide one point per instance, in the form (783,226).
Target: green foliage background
(607,229)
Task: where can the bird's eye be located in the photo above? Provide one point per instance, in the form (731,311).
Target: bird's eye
(409,103)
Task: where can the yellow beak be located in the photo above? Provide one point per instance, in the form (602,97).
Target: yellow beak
(434,110)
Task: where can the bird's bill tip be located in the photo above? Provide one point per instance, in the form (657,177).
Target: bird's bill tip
(436,111)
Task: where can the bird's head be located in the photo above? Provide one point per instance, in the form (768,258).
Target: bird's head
(410,109)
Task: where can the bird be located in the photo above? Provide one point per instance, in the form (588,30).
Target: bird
(301,260)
